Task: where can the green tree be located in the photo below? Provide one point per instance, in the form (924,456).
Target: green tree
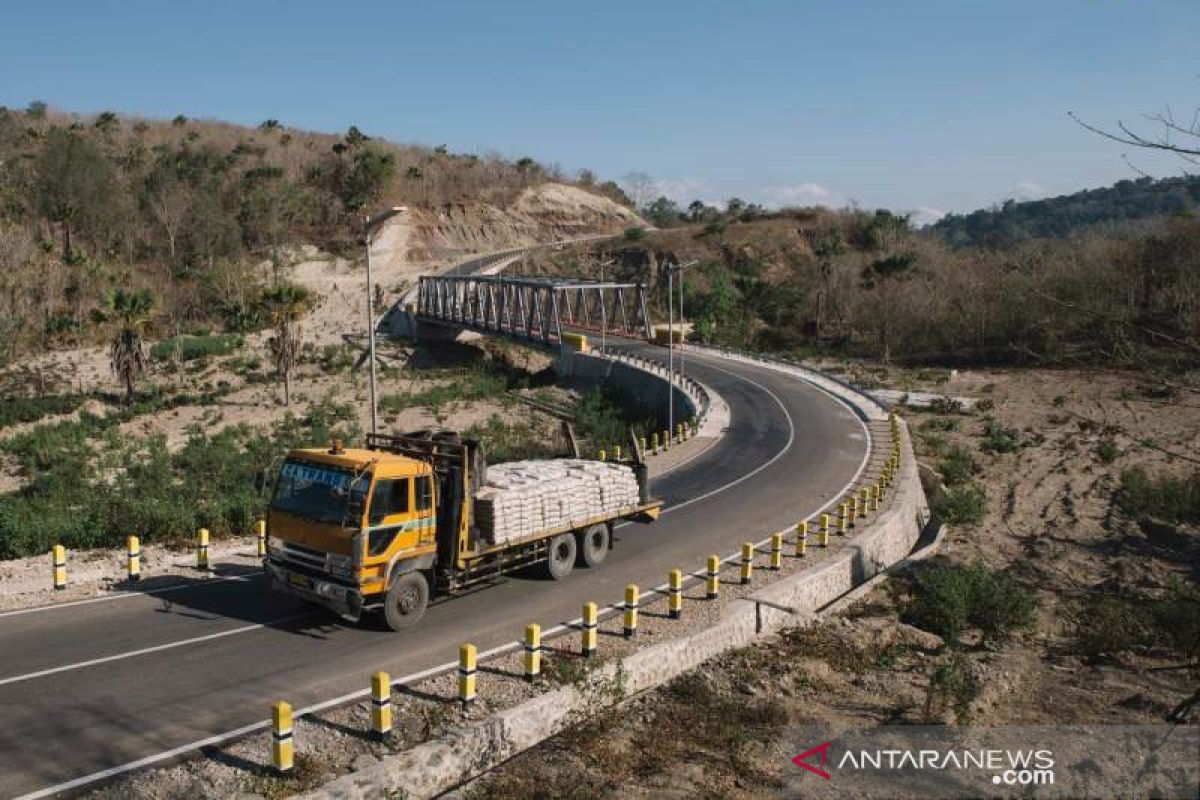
(107,122)
(75,184)
(370,171)
(284,306)
(127,356)
(663,212)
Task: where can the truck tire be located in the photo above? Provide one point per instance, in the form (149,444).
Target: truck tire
(406,600)
(593,544)
(562,556)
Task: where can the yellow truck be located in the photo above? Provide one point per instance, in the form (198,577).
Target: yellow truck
(381,528)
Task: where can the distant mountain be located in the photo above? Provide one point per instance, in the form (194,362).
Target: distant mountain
(1122,207)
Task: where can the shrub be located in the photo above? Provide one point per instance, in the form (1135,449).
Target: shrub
(92,488)
(999,439)
(190,348)
(474,384)
(946,600)
(945,405)
(932,443)
(1106,625)
(635,234)
(955,685)
(1172,499)
(504,441)
(1177,618)
(965,504)
(15,410)
(958,466)
(1107,451)
(944,424)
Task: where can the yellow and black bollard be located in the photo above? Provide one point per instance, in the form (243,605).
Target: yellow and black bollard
(823,541)
(642,442)
(134,549)
(776,551)
(666,437)
(843,519)
(588,630)
(747,561)
(467,658)
(282,746)
(617,452)
(631,610)
(654,438)
(679,432)
(59,560)
(533,651)
(202,549)
(713,584)
(602,455)
(801,539)
(381,705)
(675,594)
(852,504)
(864,495)
(261,529)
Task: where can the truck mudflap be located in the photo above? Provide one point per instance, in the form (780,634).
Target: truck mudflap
(344,601)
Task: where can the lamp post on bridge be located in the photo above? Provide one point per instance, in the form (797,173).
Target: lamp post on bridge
(370,223)
(671,270)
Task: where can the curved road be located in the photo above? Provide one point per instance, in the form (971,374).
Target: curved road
(165,674)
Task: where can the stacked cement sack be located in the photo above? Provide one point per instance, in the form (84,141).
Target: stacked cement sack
(522,498)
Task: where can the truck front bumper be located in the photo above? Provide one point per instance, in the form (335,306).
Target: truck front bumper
(342,600)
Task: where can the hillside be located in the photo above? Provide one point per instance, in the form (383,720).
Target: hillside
(189,210)
(1117,208)
(867,285)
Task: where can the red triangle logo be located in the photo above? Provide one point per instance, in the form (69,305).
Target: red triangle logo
(823,750)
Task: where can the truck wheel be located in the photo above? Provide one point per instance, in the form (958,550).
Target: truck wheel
(593,544)
(562,556)
(405,602)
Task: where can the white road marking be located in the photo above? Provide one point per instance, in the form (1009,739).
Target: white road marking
(124,595)
(146,650)
(495,651)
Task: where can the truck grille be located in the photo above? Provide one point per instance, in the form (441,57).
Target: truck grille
(304,556)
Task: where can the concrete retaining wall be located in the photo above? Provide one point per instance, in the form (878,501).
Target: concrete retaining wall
(640,384)
(438,766)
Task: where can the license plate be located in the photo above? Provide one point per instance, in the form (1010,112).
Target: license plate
(299,580)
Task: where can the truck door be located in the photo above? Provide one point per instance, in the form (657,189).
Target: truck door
(391,522)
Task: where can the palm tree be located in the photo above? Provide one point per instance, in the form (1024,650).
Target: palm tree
(128,356)
(284,306)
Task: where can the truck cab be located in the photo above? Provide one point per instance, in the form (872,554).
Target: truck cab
(343,521)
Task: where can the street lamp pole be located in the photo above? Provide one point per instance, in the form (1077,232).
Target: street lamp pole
(670,354)
(369,223)
(671,270)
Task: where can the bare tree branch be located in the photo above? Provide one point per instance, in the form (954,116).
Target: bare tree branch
(1129,137)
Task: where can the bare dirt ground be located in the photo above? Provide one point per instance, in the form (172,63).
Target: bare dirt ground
(729,729)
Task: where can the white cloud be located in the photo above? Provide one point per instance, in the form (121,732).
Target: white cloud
(685,190)
(1029,190)
(801,194)
(925,215)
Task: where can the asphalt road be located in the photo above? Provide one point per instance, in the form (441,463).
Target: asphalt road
(159,685)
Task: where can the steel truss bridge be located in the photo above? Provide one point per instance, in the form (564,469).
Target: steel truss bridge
(535,309)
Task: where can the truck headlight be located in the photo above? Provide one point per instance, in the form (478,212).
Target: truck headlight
(341,566)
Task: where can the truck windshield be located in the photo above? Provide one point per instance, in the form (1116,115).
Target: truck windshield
(320,492)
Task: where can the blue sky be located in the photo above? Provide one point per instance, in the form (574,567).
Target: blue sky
(909,105)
